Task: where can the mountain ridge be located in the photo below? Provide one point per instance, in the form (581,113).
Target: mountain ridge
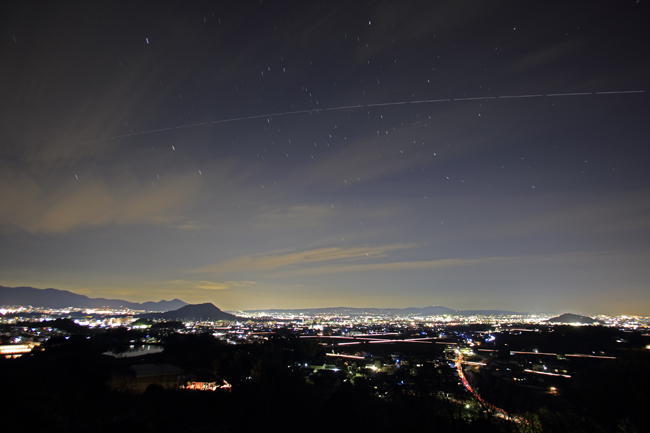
(57,298)
(572,318)
(198,312)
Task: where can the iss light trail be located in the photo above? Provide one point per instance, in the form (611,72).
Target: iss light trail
(269,116)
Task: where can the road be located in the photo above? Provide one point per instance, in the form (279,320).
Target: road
(501,413)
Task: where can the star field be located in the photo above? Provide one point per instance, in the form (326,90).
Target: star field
(291,154)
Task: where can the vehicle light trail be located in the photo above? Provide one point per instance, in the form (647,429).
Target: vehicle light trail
(501,413)
(342,337)
(581,355)
(328,336)
(273,115)
(341,355)
(408,340)
(547,373)
(376,335)
(370,340)
(516,352)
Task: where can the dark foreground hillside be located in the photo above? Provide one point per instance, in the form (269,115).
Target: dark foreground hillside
(70,386)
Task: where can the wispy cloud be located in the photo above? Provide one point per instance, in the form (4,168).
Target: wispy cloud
(302,215)
(393,151)
(284,259)
(574,257)
(389,266)
(326,261)
(44,208)
(189,225)
(547,55)
(211,285)
(367,159)
(626,212)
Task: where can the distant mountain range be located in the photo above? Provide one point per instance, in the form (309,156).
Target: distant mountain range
(409,311)
(193,312)
(572,318)
(54,298)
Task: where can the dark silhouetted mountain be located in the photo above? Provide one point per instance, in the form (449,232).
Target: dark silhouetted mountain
(54,298)
(410,311)
(195,312)
(572,318)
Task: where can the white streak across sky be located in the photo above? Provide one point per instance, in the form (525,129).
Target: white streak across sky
(362,106)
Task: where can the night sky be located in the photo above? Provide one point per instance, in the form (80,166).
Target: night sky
(533,204)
